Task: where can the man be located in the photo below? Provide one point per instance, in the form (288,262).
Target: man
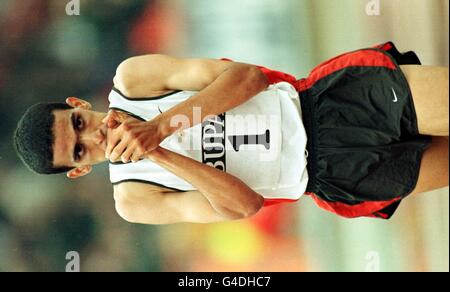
(197,140)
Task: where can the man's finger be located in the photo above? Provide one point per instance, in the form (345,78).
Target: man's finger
(112,123)
(113,119)
(125,157)
(137,155)
(118,150)
(109,116)
(113,138)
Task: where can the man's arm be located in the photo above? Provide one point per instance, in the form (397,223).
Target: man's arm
(222,85)
(220,195)
(146,204)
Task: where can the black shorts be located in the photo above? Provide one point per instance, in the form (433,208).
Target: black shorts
(364,147)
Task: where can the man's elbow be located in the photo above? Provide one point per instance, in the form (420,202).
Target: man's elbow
(251,208)
(125,211)
(257,78)
(256,206)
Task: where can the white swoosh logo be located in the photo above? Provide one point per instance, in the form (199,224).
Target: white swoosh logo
(395,95)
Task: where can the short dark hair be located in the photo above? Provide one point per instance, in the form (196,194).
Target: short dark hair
(34,138)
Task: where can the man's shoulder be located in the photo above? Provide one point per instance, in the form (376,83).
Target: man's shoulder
(132,71)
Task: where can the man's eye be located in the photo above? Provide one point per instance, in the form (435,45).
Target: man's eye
(79,123)
(79,150)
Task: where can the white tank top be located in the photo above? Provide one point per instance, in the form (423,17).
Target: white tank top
(262,142)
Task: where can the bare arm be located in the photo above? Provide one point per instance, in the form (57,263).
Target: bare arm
(227,194)
(146,204)
(222,85)
(220,196)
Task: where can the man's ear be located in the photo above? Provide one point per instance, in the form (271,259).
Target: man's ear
(78,103)
(79,171)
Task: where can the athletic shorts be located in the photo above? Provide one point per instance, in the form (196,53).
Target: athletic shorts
(364,147)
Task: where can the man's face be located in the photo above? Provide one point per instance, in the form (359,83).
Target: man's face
(80,138)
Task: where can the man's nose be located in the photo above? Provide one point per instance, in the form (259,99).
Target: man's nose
(95,136)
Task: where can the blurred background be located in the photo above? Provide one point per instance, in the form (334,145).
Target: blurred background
(46,55)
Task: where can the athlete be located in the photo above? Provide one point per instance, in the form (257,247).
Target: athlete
(201,140)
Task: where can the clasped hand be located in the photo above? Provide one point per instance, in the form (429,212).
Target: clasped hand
(129,138)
